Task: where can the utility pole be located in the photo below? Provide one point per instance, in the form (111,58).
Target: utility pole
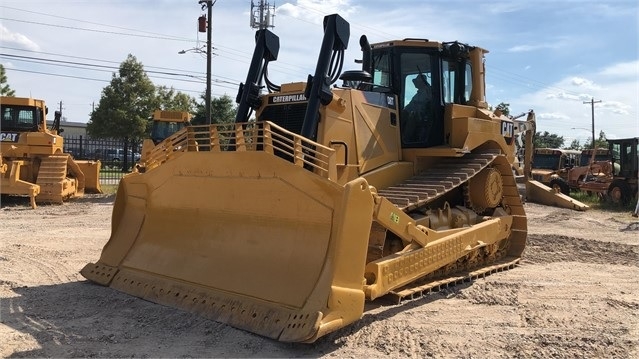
(262,15)
(61,118)
(592,103)
(209,5)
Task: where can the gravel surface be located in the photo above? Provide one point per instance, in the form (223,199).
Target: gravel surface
(575,295)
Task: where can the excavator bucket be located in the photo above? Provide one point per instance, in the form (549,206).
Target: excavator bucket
(91,170)
(243,238)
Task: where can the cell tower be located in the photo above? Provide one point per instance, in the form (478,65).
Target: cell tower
(262,15)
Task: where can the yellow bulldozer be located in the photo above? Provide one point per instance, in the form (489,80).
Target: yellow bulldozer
(165,123)
(397,183)
(32,161)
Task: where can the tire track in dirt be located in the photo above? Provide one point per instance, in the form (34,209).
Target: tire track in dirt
(558,248)
(50,268)
(380,338)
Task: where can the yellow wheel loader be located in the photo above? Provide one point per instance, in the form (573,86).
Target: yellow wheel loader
(32,159)
(332,196)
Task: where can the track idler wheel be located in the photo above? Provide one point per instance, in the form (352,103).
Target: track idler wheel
(485,190)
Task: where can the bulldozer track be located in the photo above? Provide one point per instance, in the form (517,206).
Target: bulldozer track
(445,176)
(53,170)
(441,284)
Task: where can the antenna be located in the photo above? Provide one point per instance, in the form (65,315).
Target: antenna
(262,15)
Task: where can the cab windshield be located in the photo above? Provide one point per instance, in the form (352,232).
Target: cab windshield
(585,158)
(546,162)
(20,118)
(163,129)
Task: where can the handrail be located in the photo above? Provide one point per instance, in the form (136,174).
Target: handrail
(263,136)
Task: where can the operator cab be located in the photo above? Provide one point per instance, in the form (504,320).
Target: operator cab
(166,123)
(161,130)
(425,76)
(21,118)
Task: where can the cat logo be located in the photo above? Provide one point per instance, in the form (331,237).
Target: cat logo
(9,137)
(508,131)
(298,97)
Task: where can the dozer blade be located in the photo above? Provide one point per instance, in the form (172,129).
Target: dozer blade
(91,170)
(539,193)
(245,239)
(10,182)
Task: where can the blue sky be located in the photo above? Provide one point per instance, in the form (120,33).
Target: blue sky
(550,56)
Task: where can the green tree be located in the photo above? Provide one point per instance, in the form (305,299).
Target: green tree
(601,142)
(126,104)
(547,140)
(223,110)
(5,89)
(574,145)
(172,100)
(504,108)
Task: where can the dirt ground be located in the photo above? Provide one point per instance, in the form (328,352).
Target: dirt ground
(575,295)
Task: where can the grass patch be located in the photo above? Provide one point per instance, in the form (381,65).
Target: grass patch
(603,203)
(109,188)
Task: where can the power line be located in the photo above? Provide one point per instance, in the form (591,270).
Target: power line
(116,62)
(87,66)
(103,80)
(93,59)
(153,36)
(89,22)
(498,74)
(99,31)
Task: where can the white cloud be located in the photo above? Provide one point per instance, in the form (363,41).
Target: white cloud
(564,105)
(298,23)
(582,82)
(551,116)
(17,39)
(315,10)
(556,44)
(526,48)
(623,69)
(567,96)
(504,7)
(616,107)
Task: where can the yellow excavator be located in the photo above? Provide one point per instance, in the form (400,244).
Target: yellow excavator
(397,182)
(32,161)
